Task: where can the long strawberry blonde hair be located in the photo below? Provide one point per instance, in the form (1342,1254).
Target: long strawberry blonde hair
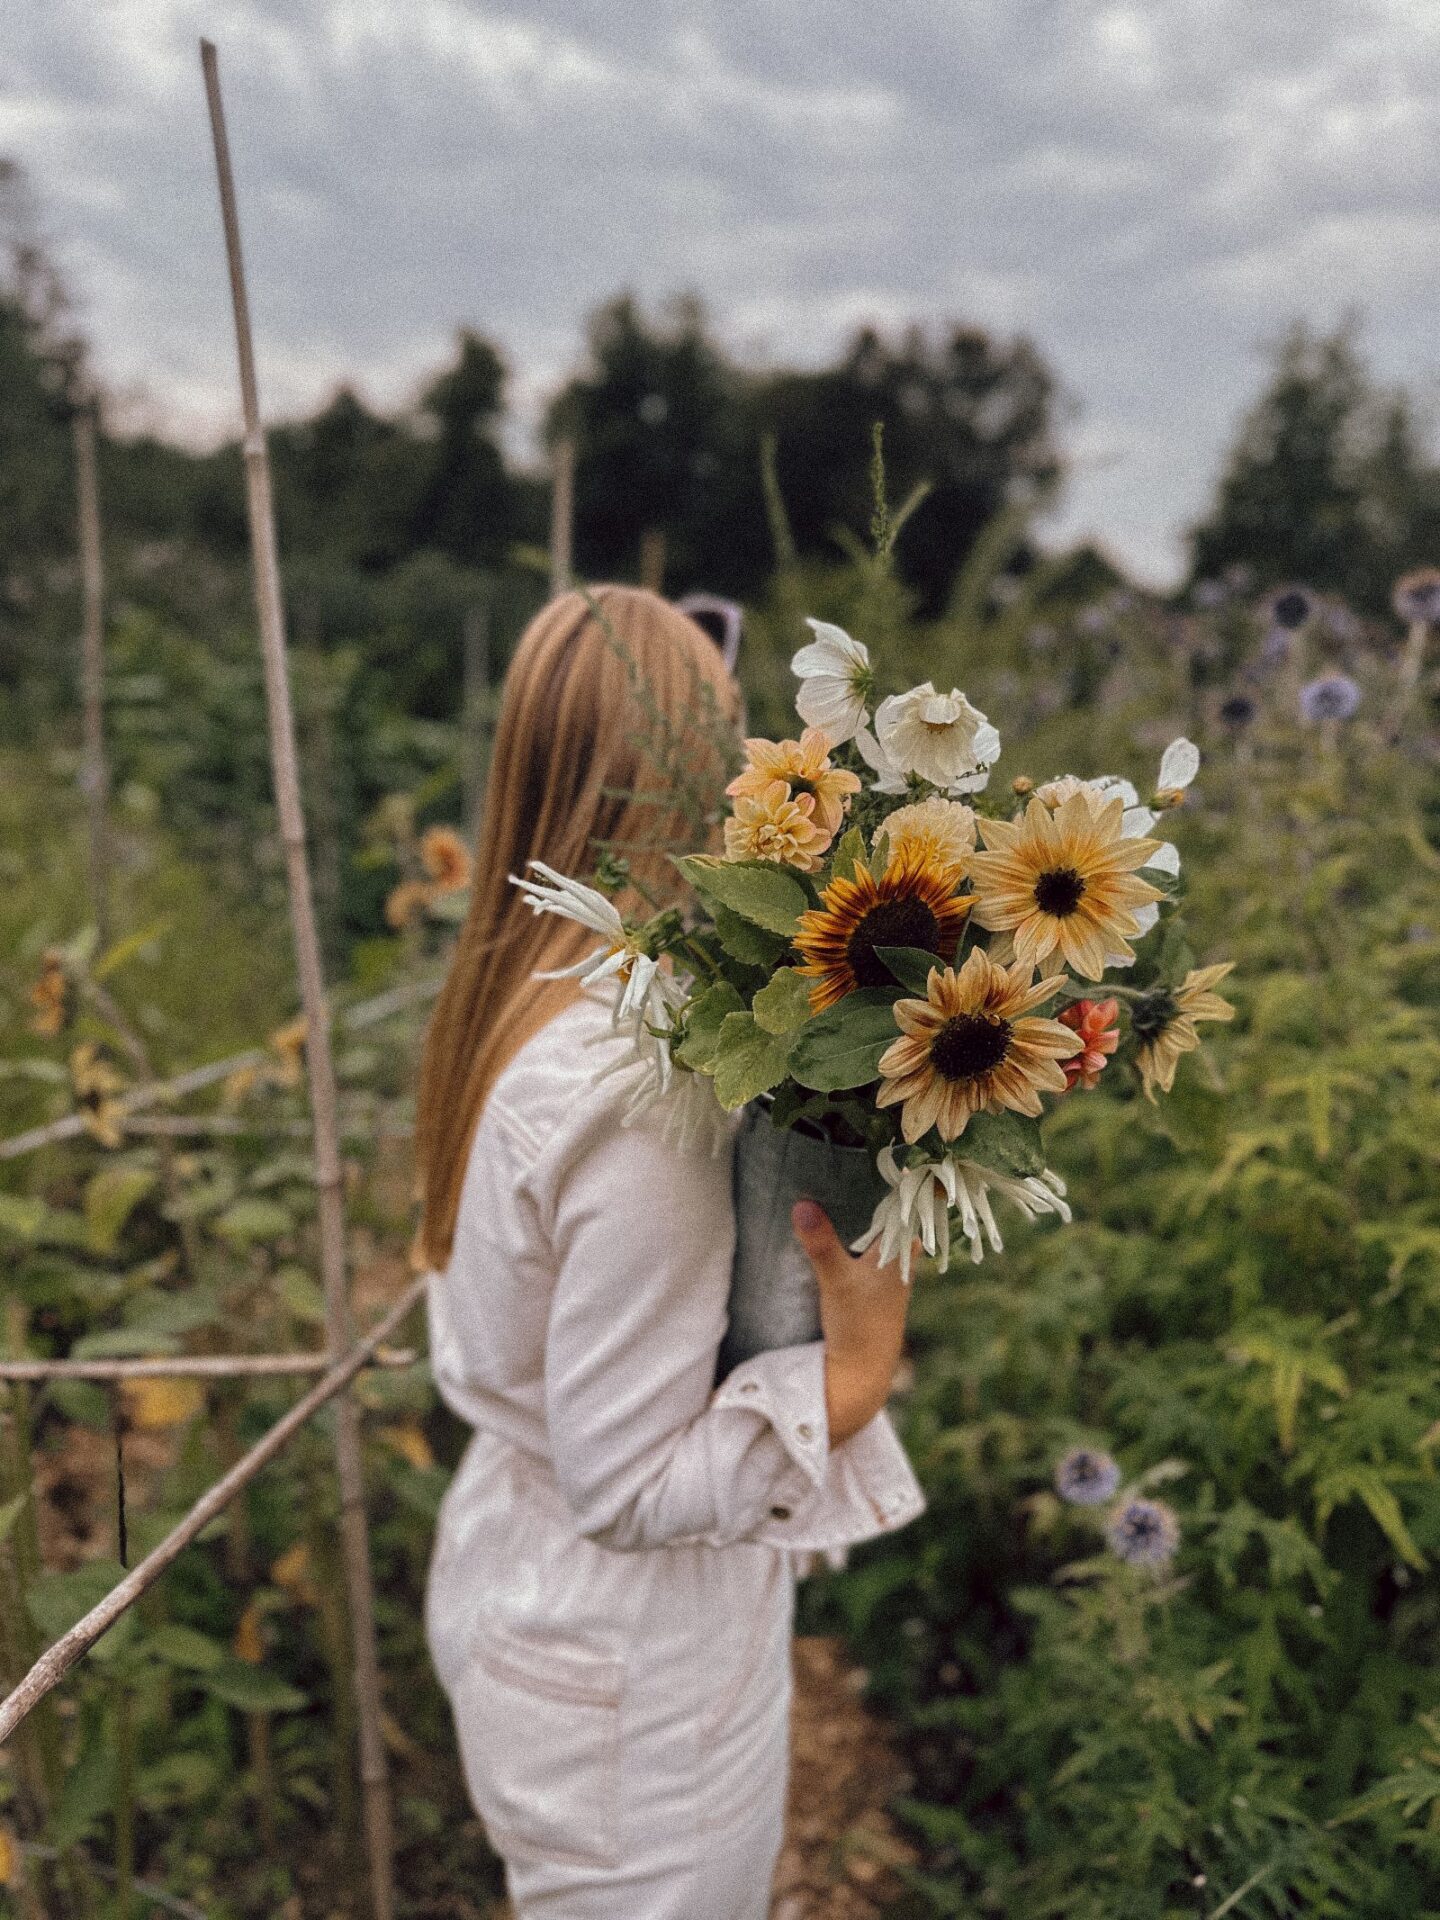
(605,692)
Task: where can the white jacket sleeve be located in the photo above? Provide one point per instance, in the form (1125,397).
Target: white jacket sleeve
(645,1450)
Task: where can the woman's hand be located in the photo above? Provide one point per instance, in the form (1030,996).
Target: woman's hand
(862,1315)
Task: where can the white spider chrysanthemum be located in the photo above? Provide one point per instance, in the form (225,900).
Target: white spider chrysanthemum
(920,1201)
(835,682)
(683,1104)
(940,736)
(647,993)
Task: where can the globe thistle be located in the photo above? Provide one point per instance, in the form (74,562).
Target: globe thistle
(1238,711)
(1210,594)
(1417,596)
(1086,1477)
(1276,647)
(1334,696)
(1143,1533)
(1291,607)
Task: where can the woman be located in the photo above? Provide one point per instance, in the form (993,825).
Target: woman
(610,1598)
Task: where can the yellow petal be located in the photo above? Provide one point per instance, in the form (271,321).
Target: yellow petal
(153,1406)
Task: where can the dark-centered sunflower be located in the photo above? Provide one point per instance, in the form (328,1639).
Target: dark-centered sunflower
(913,904)
(973,1046)
(1064,883)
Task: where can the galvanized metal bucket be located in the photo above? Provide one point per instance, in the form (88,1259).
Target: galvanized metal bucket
(774,1301)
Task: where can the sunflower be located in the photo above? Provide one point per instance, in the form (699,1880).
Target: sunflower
(804,765)
(912,904)
(971,1046)
(1164,1023)
(774,825)
(1065,883)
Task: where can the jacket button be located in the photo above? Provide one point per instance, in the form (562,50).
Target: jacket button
(779,1513)
(805,1431)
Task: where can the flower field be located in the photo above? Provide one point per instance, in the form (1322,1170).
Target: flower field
(1163,1644)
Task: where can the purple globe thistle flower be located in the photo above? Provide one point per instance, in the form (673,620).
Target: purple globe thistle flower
(1093,620)
(1238,710)
(1334,696)
(1086,1477)
(1040,638)
(1276,646)
(1417,596)
(1291,607)
(1143,1533)
(1209,594)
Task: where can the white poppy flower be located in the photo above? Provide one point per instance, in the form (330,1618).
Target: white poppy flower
(940,736)
(888,777)
(835,682)
(920,1201)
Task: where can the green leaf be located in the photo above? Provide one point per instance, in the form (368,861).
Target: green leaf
(89,1791)
(252,1689)
(910,966)
(755,889)
(123,1343)
(784,1003)
(110,1198)
(57,1600)
(1006,1142)
(254,1219)
(181,1646)
(748,1061)
(842,1046)
(302,1295)
(21,1219)
(849,854)
(703,1021)
(748,944)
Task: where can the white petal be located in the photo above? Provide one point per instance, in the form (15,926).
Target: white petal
(831,704)
(1179,765)
(1167,859)
(1136,822)
(831,651)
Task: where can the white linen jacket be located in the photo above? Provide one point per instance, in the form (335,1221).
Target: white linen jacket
(614,1506)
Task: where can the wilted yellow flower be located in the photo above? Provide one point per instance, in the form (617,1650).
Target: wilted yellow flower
(445,858)
(407,1441)
(293,1575)
(153,1406)
(97,1086)
(771,825)
(249,1642)
(407,903)
(52,997)
(288,1043)
(1164,1024)
(9,1858)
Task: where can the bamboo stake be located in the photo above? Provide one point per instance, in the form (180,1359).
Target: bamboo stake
(365,1013)
(190,1366)
(94,774)
(474,717)
(52,1666)
(562,517)
(319,1064)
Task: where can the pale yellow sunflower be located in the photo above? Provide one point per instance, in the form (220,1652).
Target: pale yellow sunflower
(776,825)
(1064,883)
(973,1046)
(1164,1023)
(804,766)
(939,832)
(912,904)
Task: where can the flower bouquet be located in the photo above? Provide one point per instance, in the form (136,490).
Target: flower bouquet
(890,976)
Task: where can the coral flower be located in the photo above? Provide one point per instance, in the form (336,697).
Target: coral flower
(1094,1021)
(1164,1023)
(1065,883)
(912,904)
(777,825)
(937,831)
(804,766)
(444,856)
(973,1046)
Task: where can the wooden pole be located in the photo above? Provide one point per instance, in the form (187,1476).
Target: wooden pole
(330,1198)
(188,1366)
(52,1666)
(562,518)
(475,719)
(94,773)
(652,559)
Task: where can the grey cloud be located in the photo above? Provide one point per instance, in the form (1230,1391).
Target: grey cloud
(1149,190)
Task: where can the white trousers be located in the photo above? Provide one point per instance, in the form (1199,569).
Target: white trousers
(623,1718)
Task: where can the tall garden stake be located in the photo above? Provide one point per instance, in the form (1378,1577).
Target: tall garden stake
(94,774)
(562,516)
(338,1324)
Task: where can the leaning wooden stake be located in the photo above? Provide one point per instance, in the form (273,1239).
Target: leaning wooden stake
(562,517)
(338,1325)
(94,773)
(52,1666)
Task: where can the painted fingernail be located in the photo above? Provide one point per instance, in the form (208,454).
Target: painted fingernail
(807,1216)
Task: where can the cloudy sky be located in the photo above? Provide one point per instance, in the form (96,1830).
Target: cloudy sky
(1149,188)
